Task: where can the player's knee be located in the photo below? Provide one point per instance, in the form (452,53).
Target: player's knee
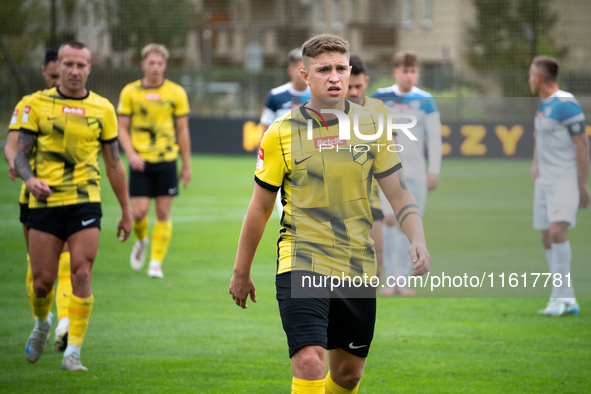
(138,215)
(81,271)
(348,379)
(390,220)
(42,286)
(546,241)
(557,236)
(309,363)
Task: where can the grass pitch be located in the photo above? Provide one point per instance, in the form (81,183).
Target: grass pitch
(184,333)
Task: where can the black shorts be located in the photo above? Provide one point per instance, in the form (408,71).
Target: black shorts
(158,179)
(24,216)
(377,214)
(338,322)
(66,220)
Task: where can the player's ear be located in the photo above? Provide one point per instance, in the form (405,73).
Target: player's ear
(304,75)
(366,80)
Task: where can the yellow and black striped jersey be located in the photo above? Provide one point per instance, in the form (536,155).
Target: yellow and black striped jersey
(14,126)
(153,112)
(325,183)
(379,107)
(69,135)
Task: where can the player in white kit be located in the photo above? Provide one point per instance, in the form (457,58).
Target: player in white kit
(404,98)
(283,98)
(560,168)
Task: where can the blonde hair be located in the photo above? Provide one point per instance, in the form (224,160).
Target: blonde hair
(157,48)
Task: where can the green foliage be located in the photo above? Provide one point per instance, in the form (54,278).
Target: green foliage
(140,22)
(508,34)
(12,17)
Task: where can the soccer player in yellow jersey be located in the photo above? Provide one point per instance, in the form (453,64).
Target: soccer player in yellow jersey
(326,172)
(64,286)
(358,82)
(66,127)
(153,128)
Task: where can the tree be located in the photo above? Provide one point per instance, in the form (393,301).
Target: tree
(507,35)
(140,22)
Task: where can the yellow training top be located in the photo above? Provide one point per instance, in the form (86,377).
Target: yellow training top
(153,112)
(69,135)
(325,183)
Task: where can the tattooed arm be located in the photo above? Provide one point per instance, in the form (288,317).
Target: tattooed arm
(24,147)
(116,175)
(408,216)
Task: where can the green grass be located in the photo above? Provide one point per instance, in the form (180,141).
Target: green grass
(184,333)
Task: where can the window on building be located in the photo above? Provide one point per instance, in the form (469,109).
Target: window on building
(427,13)
(407,13)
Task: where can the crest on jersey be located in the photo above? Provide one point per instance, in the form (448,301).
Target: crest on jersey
(359,157)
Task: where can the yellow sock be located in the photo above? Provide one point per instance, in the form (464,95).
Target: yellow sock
(80,309)
(64,286)
(140,228)
(300,386)
(160,240)
(331,387)
(42,305)
(29,282)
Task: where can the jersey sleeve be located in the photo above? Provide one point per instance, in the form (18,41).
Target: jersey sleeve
(181,107)
(268,116)
(385,162)
(570,114)
(15,120)
(125,105)
(29,119)
(271,167)
(429,105)
(109,132)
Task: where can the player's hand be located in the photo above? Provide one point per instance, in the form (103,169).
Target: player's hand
(241,286)
(420,259)
(185,176)
(12,172)
(534,170)
(137,163)
(584,199)
(124,226)
(39,189)
(432,181)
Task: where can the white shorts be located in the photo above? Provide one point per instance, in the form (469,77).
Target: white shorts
(555,203)
(418,188)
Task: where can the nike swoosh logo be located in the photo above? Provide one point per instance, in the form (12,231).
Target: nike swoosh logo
(301,161)
(351,346)
(87,222)
(172,190)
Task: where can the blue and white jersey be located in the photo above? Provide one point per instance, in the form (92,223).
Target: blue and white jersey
(557,119)
(280,101)
(421,104)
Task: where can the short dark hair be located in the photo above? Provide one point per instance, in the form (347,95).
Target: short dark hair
(323,43)
(50,56)
(547,67)
(405,59)
(357,65)
(73,44)
(294,57)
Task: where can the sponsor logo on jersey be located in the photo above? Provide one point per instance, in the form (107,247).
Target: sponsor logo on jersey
(328,141)
(260,159)
(73,111)
(25,117)
(14,117)
(152,96)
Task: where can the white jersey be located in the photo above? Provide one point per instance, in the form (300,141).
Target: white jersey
(557,119)
(280,101)
(421,104)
